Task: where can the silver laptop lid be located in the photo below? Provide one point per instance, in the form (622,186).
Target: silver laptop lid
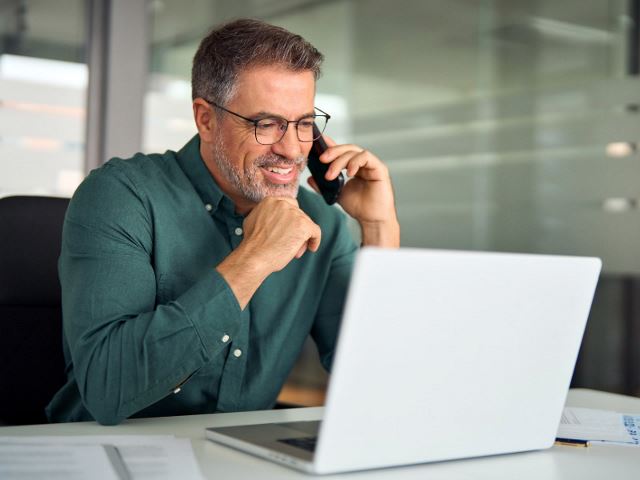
(446,354)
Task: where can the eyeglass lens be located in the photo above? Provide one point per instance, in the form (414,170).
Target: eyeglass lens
(271,130)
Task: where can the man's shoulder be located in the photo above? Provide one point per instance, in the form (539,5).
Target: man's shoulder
(147,166)
(140,173)
(121,183)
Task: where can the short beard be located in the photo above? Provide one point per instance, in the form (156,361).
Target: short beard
(250,182)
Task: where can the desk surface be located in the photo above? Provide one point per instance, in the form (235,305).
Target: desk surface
(595,462)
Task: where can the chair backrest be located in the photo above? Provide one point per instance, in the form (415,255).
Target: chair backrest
(31,358)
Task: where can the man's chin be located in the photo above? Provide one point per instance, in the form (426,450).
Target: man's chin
(289,190)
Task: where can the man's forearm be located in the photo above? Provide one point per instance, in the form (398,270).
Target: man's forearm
(243,273)
(381,234)
(123,363)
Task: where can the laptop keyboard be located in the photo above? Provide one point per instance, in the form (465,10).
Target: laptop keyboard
(305,443)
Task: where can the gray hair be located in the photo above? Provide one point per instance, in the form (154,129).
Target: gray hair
(242,44)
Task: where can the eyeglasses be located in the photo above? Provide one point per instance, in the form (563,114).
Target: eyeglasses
(270,130)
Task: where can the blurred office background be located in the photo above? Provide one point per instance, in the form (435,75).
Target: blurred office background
(509,125)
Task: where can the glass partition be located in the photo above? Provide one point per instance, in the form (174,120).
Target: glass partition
(508,125)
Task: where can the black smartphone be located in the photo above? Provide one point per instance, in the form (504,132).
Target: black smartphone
(330,189)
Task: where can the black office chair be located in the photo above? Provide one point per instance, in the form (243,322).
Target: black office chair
(31,359)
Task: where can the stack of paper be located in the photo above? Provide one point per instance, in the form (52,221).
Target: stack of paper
(599,426)
(34,461)
(162,457)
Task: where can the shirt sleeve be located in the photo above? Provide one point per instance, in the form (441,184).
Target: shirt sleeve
(327,321)
(127,351)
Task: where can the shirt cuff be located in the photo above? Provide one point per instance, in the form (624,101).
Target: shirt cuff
(213,310)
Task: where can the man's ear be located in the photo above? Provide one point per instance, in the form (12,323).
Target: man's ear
(205,119)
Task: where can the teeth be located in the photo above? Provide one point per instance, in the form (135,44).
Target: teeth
(281,171)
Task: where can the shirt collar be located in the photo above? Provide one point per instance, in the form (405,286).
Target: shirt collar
(193,165)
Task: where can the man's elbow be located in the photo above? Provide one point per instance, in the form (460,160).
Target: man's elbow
(102,410)
(105,416)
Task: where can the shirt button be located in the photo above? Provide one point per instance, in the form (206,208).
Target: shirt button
(177,390)
(208,207)
(237,352)
(238,231)
(225,338)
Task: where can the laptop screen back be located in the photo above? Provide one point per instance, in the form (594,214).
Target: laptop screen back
(447,354)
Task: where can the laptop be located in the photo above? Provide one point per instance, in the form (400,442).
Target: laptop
(441,355)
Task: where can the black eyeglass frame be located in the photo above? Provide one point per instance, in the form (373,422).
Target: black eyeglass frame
(256,121)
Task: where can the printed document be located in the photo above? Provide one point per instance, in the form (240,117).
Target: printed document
(26,461)
(599,426)
(161,457)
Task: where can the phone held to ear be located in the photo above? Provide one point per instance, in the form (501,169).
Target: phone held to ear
(329,189)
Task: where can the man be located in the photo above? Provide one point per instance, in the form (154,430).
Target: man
(190,280)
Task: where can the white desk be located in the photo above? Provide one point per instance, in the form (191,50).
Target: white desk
(217,461)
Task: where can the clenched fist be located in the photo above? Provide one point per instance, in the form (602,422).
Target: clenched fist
(275,232)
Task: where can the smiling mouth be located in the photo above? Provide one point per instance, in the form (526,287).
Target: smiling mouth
(279,175)
(279,171)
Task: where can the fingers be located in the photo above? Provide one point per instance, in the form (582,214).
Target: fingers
(361,164)
(336,150)
(353,158)
(298,221)
(278,231)
(333,152)
(329,140)
(314,240)
(312,230)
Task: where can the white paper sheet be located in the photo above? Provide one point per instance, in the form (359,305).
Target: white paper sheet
(599,426)
(161,457)
(27,461)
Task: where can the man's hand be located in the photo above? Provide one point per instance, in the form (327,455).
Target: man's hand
(275,232)
(368,195)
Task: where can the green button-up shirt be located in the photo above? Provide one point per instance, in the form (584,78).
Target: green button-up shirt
(145,310)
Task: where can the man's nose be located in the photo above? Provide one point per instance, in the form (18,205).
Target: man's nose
(289,145)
